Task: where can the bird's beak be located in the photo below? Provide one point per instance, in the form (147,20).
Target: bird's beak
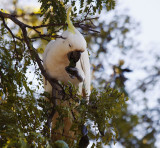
(74,56)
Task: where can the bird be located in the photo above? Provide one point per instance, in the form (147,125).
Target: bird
(67,60)
(59,53)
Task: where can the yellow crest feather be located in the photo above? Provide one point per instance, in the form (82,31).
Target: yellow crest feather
(71,28)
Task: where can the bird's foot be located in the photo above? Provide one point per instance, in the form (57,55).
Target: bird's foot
(73,72)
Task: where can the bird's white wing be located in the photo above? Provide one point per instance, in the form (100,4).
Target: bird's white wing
(47,85)
(84,60)
(48,47)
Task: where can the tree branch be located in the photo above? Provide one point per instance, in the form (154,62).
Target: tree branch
(78,24)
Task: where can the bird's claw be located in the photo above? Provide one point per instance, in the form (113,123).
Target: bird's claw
(73,72)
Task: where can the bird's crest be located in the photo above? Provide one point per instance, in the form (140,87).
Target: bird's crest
(71,28)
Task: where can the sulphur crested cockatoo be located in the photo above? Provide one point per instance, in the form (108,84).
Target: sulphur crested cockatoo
(66,59)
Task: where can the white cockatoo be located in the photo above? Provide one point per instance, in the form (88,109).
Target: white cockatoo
(66,59)
(58,55)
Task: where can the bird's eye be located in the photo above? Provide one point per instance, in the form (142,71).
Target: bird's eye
(70,45)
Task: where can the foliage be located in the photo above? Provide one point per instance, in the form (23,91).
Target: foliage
(54,12)
(115,38)
(19,114)
(105,108)
(23,110)
(99,115)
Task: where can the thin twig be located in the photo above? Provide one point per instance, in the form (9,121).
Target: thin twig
(24,14)
(47,35)
(13,36)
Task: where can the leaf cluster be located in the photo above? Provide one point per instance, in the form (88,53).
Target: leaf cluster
(20,116)
(14,62)
(99,115)
(105,106)
(54,12)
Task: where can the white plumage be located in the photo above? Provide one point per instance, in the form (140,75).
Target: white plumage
(55,60)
